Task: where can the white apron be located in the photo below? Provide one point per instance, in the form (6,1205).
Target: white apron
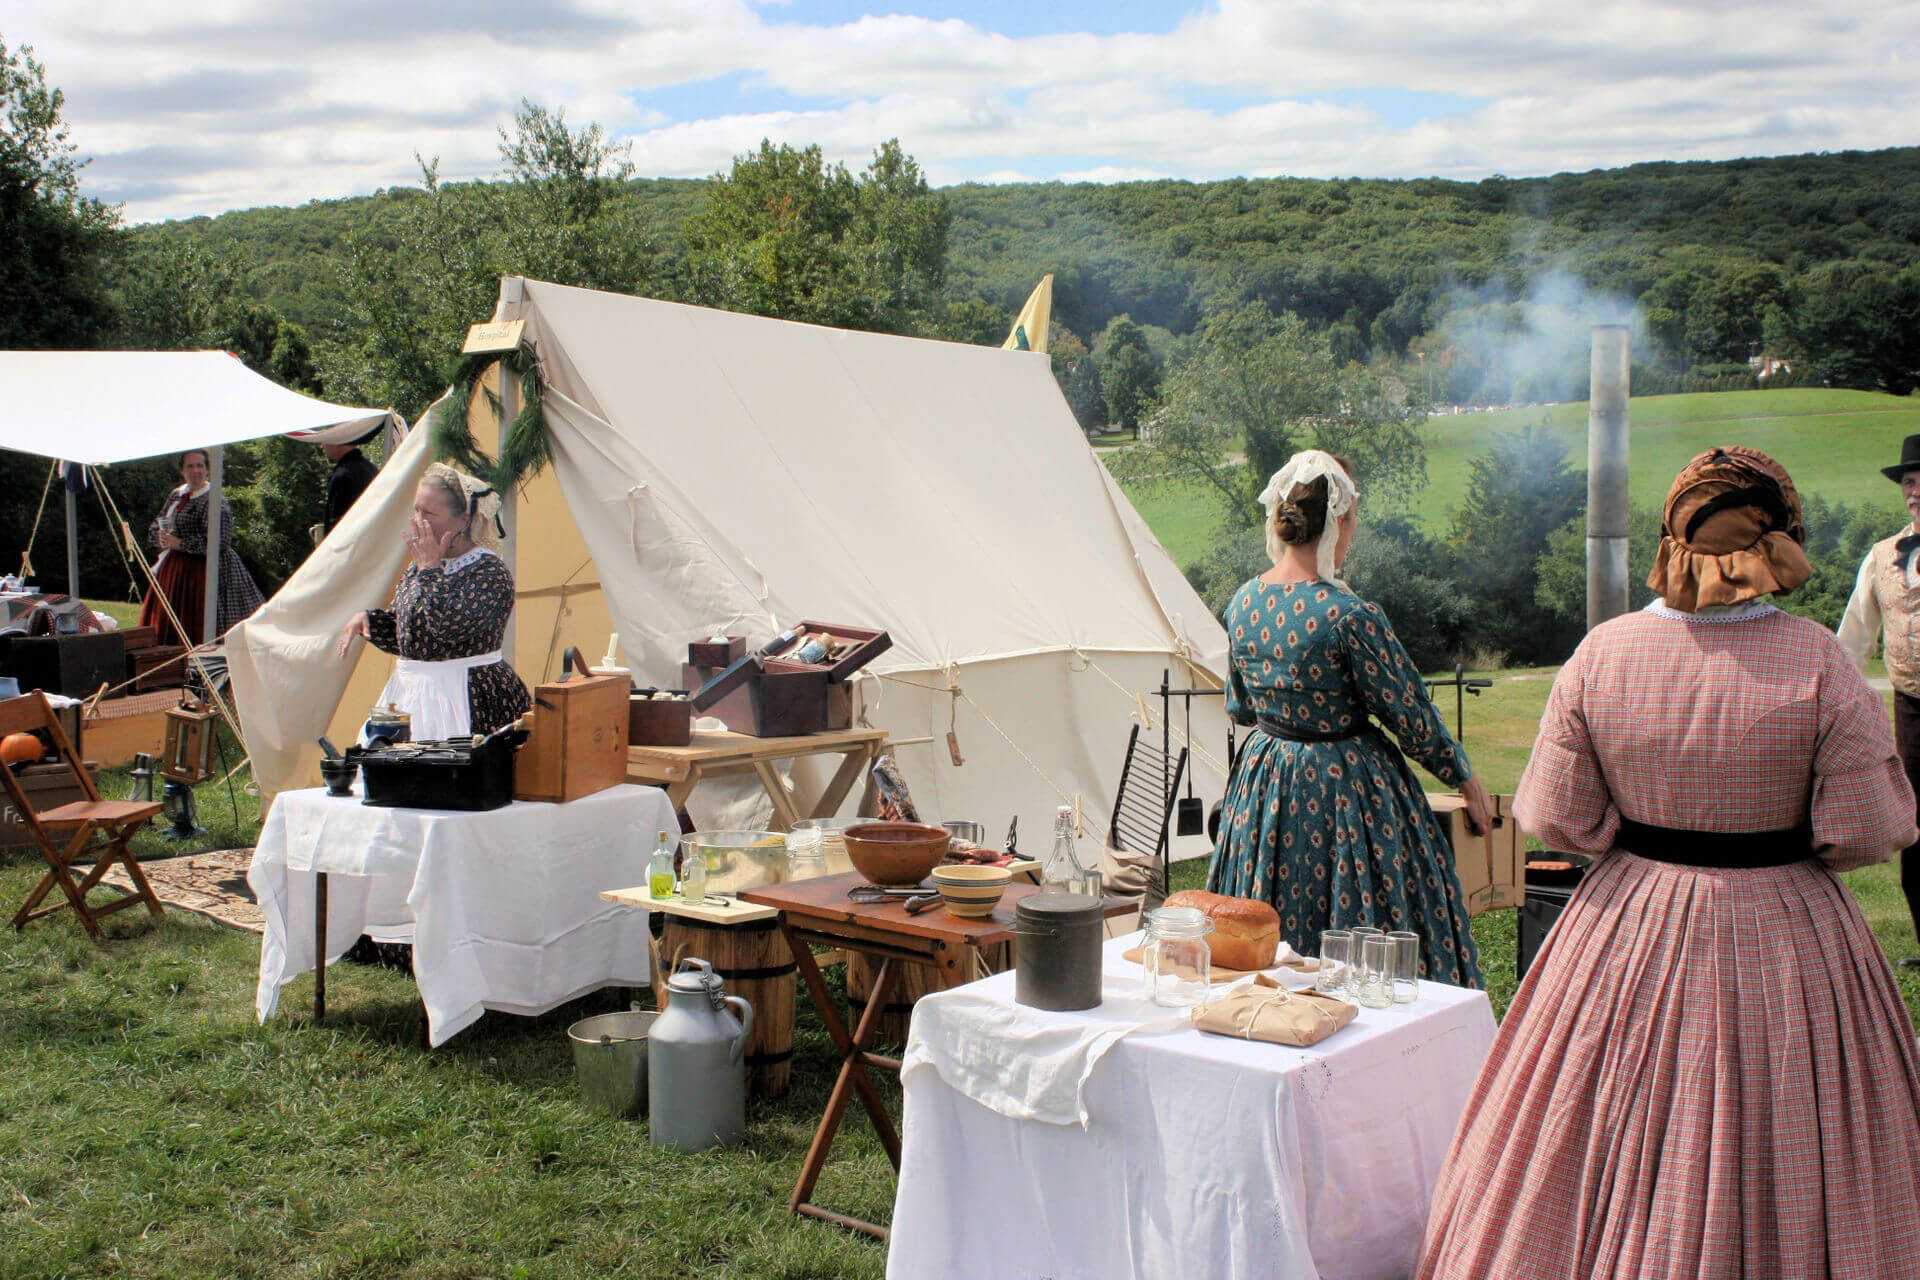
(435,694)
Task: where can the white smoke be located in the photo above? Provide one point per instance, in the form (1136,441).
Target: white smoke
(1497,348)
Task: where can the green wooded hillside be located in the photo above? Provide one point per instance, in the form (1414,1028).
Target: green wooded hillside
(1704,248)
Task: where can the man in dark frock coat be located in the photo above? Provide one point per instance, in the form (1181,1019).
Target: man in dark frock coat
(351,475)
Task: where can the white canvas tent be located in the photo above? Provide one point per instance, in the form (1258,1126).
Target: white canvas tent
(713,470)
(100,407)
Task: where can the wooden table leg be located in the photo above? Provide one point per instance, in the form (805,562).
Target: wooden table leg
(853,1077)
(842,782)
(319,946)
(784,814)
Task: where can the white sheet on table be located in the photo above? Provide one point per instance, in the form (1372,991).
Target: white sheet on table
(502,906)
(1203,1156)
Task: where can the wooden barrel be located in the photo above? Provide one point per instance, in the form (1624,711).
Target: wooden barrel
(756,964)
(911,981)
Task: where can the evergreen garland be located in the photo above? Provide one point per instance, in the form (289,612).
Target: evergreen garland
(524,448)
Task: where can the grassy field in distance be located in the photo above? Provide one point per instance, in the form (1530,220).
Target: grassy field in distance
(1833,442)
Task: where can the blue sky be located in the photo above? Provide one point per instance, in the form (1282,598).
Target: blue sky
(196,110)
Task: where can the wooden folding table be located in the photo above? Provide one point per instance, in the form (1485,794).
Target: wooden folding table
(819,913)
(714,755)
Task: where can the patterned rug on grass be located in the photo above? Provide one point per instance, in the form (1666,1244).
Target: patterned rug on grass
(213,885)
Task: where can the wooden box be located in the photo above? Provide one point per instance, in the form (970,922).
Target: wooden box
(704,653)
(870,643)
(73,665)
(132,638)
(577,741)
(158,666)
(1492,868)
(763,697)
(47,786)
(667,723)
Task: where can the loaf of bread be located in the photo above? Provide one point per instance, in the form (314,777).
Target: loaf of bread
(1246,931)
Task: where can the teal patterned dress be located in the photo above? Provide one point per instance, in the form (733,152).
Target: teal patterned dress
(1336,833)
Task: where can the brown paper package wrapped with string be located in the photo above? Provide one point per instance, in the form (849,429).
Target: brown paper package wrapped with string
(1267,1010)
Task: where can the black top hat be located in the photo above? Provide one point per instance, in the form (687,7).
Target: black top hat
(1909,460)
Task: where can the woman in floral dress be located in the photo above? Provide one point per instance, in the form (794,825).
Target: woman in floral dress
(1323,817)
(449,615)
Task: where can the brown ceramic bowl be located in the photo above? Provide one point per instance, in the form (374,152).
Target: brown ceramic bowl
(895,854)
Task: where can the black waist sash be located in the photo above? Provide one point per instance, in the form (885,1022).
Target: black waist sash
(1300,733)
(1724,849)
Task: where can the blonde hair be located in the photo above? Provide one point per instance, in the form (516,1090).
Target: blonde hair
(471,497)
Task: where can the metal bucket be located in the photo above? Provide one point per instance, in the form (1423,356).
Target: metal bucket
(610,1057)
(1058,944)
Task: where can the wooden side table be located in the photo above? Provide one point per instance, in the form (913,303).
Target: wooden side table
(819,913)
(715,755)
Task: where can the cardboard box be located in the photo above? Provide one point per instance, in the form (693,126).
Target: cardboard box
(577,741)
(1492,868)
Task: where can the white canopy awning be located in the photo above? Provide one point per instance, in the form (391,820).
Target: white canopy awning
(98,407)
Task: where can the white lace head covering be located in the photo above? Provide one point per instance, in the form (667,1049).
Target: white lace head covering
(1303,468)
(475,498)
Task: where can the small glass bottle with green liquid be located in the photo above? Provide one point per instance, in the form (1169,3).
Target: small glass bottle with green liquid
(660,867)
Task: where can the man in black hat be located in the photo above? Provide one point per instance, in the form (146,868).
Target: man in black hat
(1886,605)
(351,475)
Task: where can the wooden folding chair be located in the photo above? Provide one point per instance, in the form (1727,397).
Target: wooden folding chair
(103,826)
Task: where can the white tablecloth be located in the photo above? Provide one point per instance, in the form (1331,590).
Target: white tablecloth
(1201,1155)
(501,907)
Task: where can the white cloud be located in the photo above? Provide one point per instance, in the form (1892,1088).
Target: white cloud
(242,102)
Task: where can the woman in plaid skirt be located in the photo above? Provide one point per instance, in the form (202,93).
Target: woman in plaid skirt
(1709,1071)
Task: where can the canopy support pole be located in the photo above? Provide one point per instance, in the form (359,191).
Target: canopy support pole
(216,457)
(509,501)
(73,540)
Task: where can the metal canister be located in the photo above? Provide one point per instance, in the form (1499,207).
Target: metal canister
(696,1075)
(1058,940)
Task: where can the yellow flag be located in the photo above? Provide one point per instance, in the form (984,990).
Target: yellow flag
(1030,330)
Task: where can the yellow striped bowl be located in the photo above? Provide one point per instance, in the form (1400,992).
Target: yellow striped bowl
(971,890)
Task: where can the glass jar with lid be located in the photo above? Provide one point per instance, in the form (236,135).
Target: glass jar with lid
(1177,956)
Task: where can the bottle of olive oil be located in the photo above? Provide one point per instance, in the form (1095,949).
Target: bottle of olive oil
(660,867)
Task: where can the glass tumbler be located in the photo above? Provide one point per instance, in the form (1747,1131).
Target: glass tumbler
(1374,988)
(1406,966)
(1177,957)
(1361,932)
(805,859)
(1336,960)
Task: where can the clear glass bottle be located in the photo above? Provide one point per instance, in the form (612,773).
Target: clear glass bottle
(660,866)
(1061,872)
(1177,957)
(693,874)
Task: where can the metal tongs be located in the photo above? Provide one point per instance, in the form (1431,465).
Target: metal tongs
(915,900)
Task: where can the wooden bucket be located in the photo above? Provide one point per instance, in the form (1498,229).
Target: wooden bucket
(756,964)
(911,981)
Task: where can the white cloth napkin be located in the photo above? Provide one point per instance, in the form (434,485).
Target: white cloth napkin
(1025,1063)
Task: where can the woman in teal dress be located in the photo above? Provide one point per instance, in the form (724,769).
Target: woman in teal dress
(1323,817)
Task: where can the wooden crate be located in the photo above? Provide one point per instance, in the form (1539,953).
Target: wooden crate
(577,742)
(1492,867)
(47,786)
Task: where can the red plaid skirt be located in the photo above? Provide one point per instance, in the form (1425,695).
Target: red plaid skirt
(1707,1073)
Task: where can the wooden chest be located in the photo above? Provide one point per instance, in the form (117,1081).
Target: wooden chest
(158,666)
(577,740)
(73,665)
(1492,867)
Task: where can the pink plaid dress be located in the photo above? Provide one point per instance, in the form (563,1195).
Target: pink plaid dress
(1708,1072)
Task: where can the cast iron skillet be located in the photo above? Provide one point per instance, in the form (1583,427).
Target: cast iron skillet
(1558,879)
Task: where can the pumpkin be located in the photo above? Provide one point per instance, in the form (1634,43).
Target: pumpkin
(20,748)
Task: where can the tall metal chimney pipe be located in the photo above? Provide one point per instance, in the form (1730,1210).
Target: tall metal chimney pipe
(1607,475)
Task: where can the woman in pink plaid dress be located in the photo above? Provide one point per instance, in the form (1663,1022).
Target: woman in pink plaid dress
(1709,1071)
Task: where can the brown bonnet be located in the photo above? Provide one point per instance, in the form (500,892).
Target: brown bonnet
(1731,531)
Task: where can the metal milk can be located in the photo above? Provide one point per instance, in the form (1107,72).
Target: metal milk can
(696,1068)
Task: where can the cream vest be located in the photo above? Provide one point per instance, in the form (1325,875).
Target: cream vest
(1899,616)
